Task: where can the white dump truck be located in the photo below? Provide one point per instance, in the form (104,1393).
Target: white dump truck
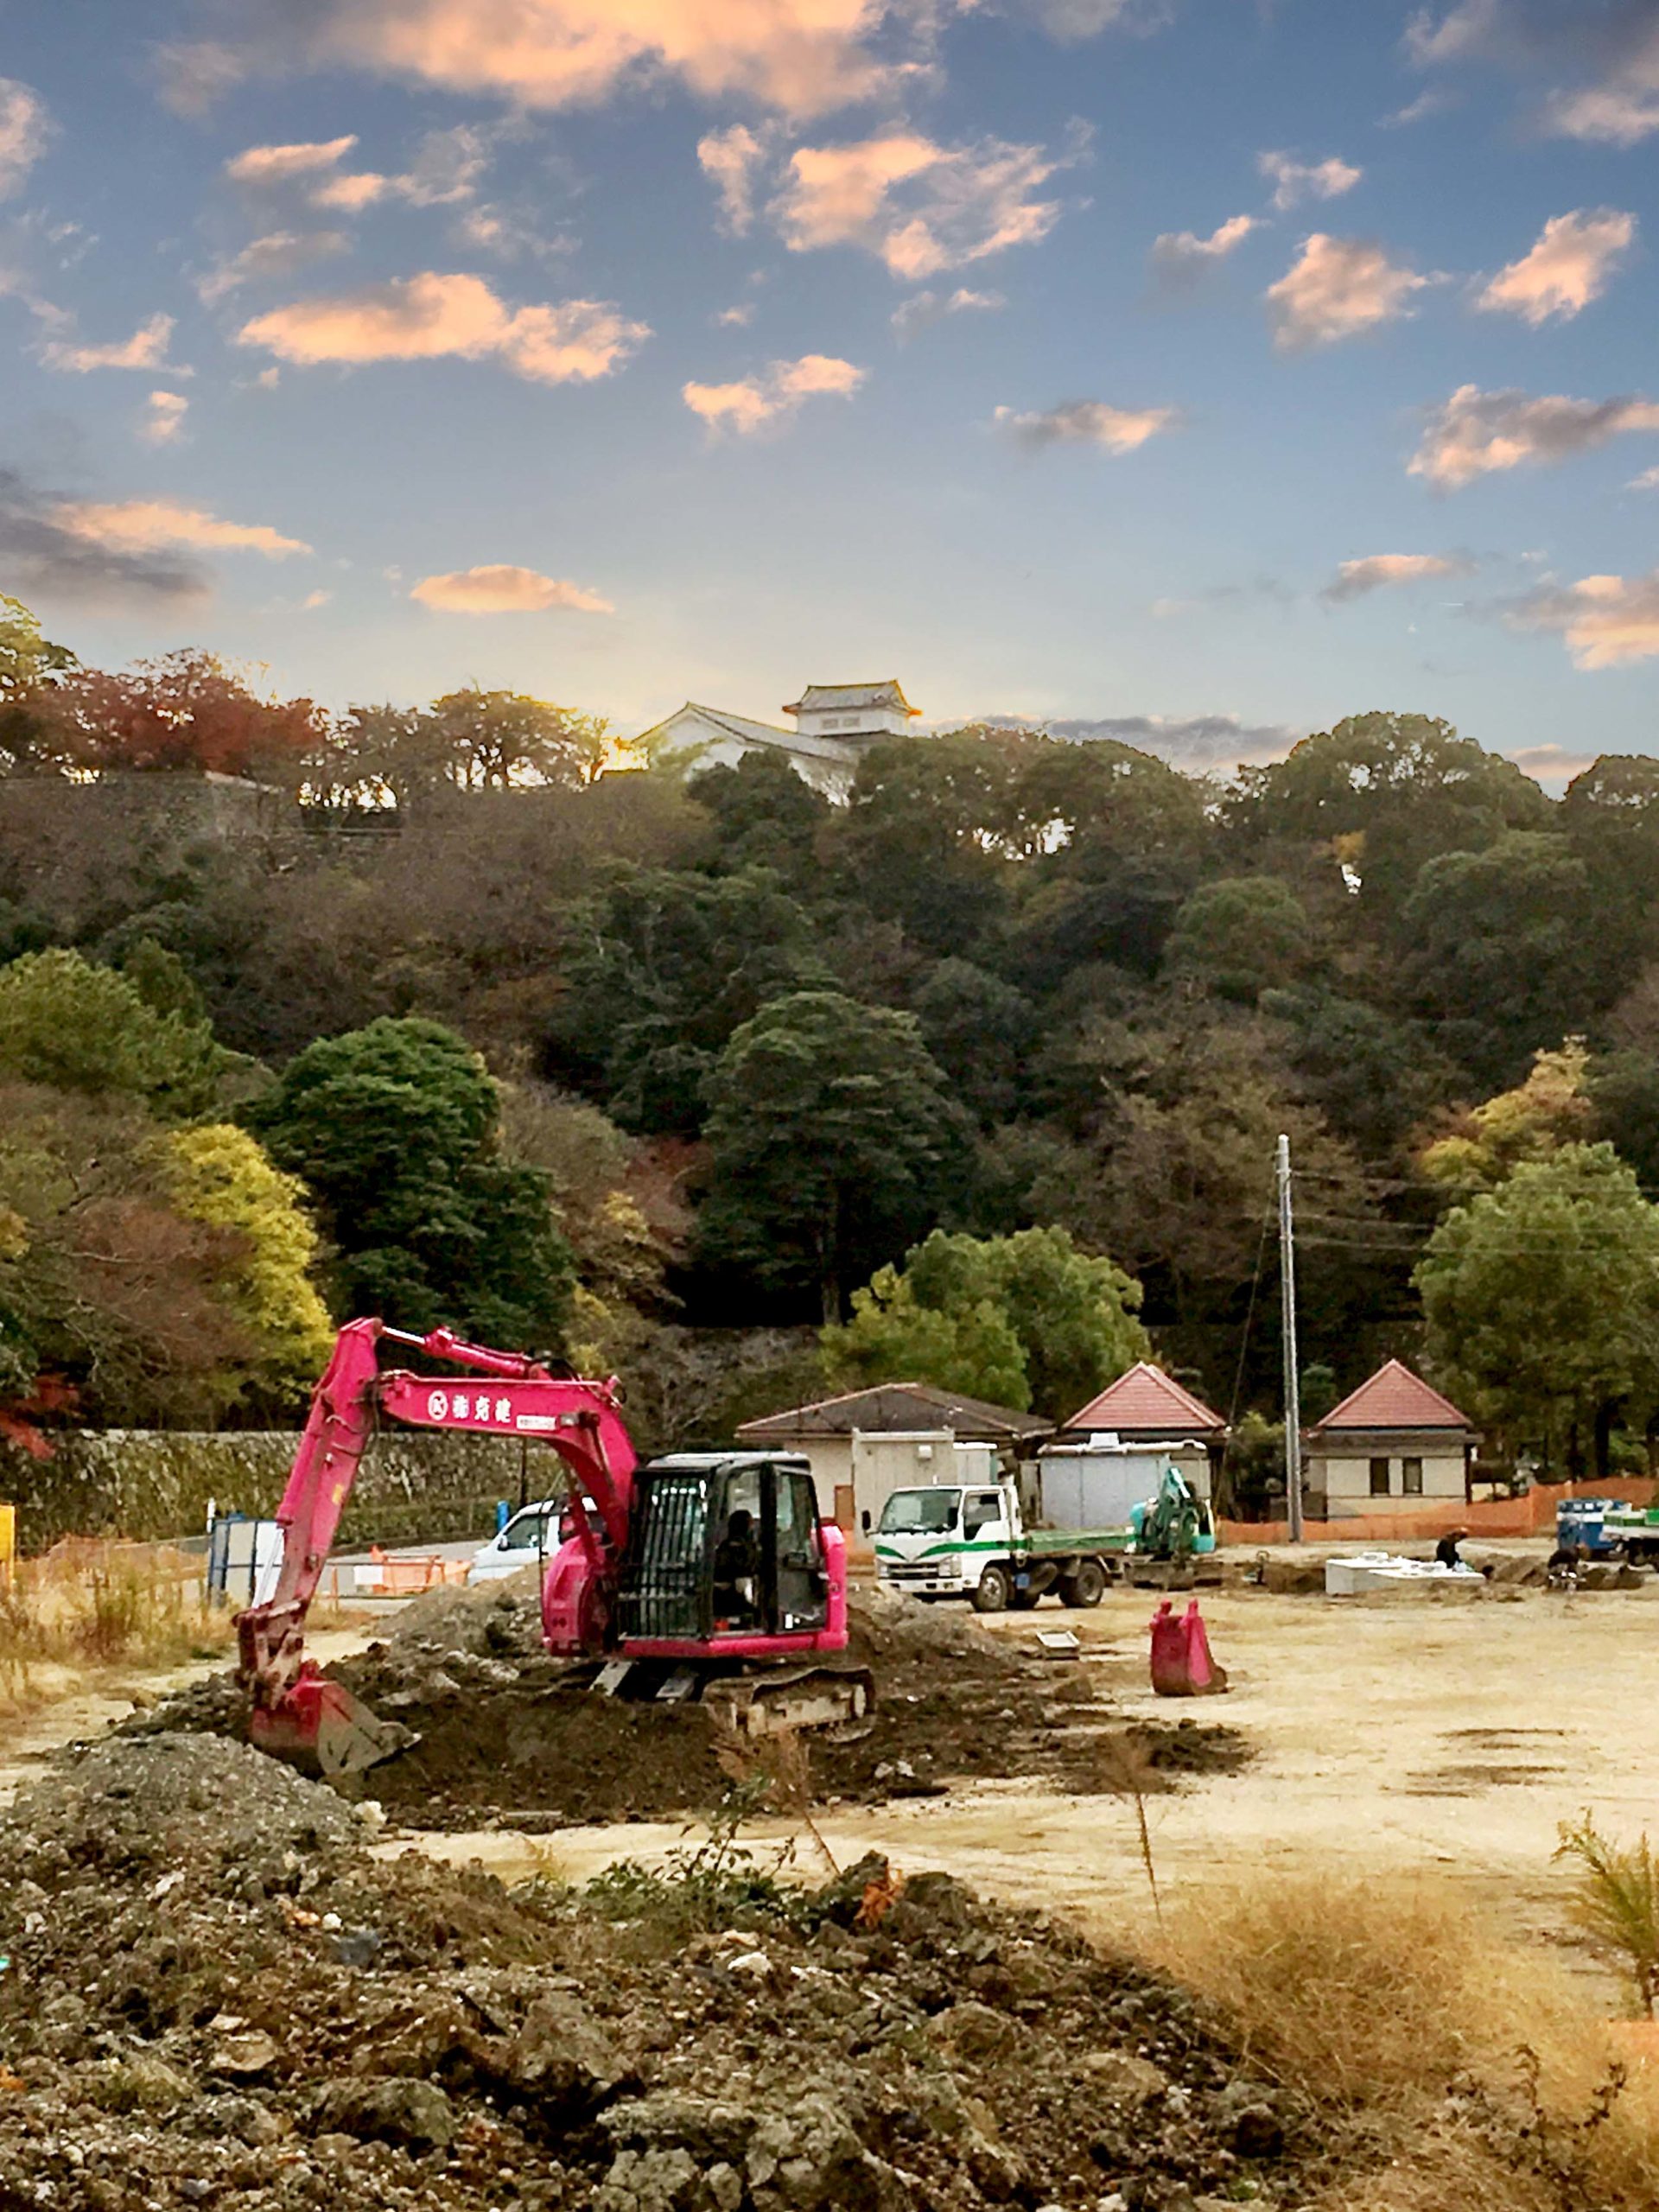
(970,1541)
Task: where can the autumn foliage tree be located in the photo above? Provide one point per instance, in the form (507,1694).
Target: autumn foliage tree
(186,710)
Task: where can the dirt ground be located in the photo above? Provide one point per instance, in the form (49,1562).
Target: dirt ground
(1386,1733)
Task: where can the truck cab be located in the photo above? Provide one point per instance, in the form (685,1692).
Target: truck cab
(938,1542)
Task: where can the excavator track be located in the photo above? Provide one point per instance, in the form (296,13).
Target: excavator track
(791,1698)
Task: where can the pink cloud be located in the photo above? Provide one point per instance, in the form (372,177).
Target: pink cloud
(500,589)
(752,403)
(142,525)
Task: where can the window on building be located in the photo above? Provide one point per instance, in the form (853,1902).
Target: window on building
(1379,1478)
(1411,1478)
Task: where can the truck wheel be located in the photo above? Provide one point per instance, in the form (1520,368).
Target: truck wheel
(1022,1601)
(993,1592)
(1085,1586)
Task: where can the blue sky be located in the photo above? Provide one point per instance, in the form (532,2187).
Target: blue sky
(552,343)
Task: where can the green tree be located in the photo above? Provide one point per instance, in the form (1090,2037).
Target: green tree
(395,1130)
(219,1176)
(765,815)
(29,665)
(494,741)
(831,1143)
(1499,944)
(1541,1298)
(76,1027)
(1027,1321)
(979,1029)
(1552,1108)
(1241,935)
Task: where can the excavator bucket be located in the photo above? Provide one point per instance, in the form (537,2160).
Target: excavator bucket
(320,1728)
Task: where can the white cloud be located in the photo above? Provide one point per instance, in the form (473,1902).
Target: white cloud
(1293,181)
(1606,621)
(430,316)
(1568,266)
(1336,288)
(500,589)
(1179,258)
(732,159)
(803,56)
(1605,61)
(278,254)
(25,129)
(1354,579)
(1087,422)
(1480,433)
(926,308)
(313,600)
(164,425)
(737,318)
(145,349)
(1647,481)
(756,401)
(921,207)
(142,525)
(263,166)
(446,170)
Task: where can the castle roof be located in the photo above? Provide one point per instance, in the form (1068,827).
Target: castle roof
(886,693)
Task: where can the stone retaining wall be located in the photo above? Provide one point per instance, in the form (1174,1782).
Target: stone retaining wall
(150,1483)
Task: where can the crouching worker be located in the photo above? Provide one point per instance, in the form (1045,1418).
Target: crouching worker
(1561,1568)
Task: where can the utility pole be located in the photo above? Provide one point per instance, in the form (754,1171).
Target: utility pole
(1292,1380)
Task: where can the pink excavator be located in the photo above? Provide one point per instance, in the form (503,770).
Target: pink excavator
(708,1574)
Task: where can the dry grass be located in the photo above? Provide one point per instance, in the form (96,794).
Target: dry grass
(1469,2066)
(88,1609)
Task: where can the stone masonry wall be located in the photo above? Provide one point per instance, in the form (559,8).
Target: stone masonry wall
(148,1484)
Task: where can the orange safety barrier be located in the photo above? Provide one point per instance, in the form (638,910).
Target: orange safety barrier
(1532,1514)
(403,1577)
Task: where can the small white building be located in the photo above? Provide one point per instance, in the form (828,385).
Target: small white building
(864,1445)
(1122,1440)
(1392,1448)
(835,725)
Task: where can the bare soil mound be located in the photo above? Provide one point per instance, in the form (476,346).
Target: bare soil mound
(509,1735)
(300,2023)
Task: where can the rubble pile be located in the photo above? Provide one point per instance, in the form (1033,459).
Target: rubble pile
(215,1992)
(511,1737)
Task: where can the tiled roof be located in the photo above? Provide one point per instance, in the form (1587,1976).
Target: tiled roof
(887,693)
(1147,1398)
(753,732)
(1394,1398)
(894,1406)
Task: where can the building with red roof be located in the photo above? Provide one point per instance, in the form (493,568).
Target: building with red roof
(1110,1454)
(1394,1446)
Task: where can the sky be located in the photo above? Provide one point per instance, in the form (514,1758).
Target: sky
(1198,370)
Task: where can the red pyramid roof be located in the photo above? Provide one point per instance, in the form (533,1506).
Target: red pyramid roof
(1147,1398)
(1394,1398)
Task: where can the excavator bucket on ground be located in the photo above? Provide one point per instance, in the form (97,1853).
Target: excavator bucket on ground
(805,1697)
(318,1727)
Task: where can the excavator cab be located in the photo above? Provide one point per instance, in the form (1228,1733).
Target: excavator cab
(724,1549)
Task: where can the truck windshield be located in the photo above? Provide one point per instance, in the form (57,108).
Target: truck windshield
(920,1512)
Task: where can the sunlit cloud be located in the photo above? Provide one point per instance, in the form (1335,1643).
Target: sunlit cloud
(25,131)
(1180,259)
(433,316)
(759,402)
(732,160)
(803,57)
(1336,288)
(1293,181)
(737,318)
(1354,579)
(1602,64)
(1086,421)
(1480,433)
(163,423)
(145,349)
(1569,266)
(263,166)
(278,255)
(1604,621)
(921,207)
(446,170)
(52,561)
(143,525)
(925,308)
(501,590)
